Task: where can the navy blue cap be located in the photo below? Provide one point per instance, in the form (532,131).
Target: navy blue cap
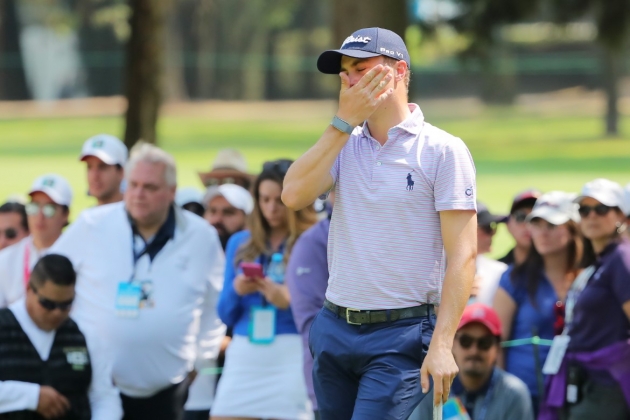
(364,43)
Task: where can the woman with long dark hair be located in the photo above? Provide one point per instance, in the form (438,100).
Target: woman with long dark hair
(262,377)
(531,295)
(592,380)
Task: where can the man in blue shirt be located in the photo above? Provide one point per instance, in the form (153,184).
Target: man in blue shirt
(481,390)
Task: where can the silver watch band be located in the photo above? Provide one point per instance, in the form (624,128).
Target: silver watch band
(342,125)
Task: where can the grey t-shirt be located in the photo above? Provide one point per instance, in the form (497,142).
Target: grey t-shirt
(509,400)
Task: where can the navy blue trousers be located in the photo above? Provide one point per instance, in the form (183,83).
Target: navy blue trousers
(371,371)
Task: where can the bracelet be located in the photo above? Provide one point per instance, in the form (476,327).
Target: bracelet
(342,125)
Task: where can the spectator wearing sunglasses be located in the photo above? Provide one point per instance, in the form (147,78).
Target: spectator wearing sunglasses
(531,295)
(522,205)
(13,224)
(47,366)
(488,271)
(598,327)
(262,378)
(485,391)
(47,214)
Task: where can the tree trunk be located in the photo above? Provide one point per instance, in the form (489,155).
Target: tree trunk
(612,74)
(350,15)
(145,69)
(12,77)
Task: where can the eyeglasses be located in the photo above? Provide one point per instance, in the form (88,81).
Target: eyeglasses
(48,210)
(490,229)
(280,166)
(9,233)
(483,343)
(51,305)
(519,216)
(600,210)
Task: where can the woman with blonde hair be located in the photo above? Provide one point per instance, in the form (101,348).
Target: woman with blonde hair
(262,377)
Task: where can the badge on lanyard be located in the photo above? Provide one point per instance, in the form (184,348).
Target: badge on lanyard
(262,324)
(556,354)
(453,409)
(128,299)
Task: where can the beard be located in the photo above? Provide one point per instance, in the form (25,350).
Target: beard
(475,370)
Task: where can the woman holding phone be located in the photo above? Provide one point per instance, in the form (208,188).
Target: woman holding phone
(262,377)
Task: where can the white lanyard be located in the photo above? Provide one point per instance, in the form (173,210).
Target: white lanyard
(574,292)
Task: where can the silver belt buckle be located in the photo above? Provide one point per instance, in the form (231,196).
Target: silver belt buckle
(348,310)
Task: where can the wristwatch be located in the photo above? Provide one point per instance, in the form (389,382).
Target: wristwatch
(342,125)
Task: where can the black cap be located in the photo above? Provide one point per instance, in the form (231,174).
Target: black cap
(364,43)
(485,218)
(525,198)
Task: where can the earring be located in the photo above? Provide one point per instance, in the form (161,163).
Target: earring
(621,227)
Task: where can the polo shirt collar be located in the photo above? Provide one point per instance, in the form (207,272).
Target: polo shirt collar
(457,388)
(163,235)
(412,124)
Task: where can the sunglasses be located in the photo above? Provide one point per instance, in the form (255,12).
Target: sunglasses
(600,210)
(48,210)
(280,166)
(490,229)
(51,305)
(483,343)
(519,216)
(9,233)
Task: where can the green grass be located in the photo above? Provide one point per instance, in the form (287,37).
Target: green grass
(512,150)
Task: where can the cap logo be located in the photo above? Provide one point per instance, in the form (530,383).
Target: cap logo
(390,52)
(352,39)
(97,143)
(48,182)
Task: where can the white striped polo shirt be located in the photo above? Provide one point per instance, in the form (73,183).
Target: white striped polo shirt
(385,246)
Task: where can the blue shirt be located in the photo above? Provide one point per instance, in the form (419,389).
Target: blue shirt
(529,319)
(234,310)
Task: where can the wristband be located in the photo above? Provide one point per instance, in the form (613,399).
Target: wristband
(342,125)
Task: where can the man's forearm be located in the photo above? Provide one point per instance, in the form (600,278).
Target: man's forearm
(309,176)
(455,294)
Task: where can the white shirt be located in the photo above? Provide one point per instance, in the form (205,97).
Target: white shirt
(488,274)
(13,269)
(160,346)
(385,246)
(17,396)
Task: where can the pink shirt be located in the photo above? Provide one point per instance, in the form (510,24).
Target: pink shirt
(385,246)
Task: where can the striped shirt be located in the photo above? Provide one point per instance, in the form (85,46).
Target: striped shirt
(385,247)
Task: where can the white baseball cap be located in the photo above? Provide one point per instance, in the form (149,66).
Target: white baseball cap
(188,195)
(556,207)
(236,195)
(54,186)
(626,200)
(607,192)
(107,148)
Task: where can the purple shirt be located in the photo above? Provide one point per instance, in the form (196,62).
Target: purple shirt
(307,279)
(598,317)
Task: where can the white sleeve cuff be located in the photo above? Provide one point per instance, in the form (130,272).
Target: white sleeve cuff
(17,396)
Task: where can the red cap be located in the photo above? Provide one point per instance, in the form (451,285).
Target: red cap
(483,314)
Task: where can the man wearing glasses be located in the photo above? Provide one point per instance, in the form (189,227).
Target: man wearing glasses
(481,390)
(47,215)
(47,366)
(13,224)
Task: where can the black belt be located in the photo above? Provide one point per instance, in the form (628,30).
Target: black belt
(358,317)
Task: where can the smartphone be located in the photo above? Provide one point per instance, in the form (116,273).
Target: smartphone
(252,270)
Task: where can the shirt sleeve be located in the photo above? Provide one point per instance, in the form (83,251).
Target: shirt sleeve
(211,329)
(104,397)
(506,283)
(455,185)
(516,399)
(18,396)
(229,305)
(307,279)
(620,278)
